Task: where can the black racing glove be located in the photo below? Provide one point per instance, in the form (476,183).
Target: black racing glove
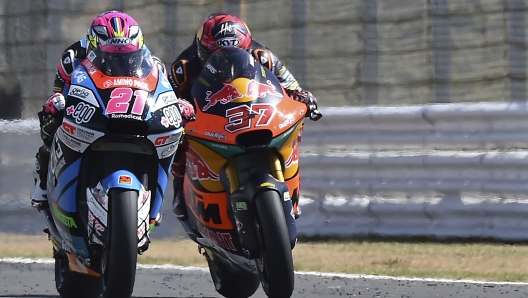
(309,100)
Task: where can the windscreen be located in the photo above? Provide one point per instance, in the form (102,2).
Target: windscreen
(131,64)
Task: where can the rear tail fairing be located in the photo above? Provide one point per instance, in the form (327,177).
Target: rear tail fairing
(108,140)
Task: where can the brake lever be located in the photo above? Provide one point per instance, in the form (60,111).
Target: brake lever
(315,115)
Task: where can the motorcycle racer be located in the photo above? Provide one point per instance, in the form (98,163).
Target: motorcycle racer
(216,31)
(103,27)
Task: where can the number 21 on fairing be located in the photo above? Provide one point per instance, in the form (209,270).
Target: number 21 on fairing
(120,101)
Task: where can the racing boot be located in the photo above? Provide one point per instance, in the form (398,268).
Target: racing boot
(179,208)
(39,196)
(296,207)
(154,222)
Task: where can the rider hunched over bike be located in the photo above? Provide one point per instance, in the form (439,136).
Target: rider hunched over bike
(216,31)
(105,26)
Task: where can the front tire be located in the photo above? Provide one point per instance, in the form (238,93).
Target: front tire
(276,266)
(231,284)
(121,254)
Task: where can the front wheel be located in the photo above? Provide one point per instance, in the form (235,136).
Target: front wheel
(276,265)
(121,253)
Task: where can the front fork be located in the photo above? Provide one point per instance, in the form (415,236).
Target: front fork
(242,187)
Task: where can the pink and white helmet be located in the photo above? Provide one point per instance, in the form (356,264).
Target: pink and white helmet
(114,31)
(116,46)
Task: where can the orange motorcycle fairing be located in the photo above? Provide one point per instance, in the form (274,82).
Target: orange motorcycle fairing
(210,209)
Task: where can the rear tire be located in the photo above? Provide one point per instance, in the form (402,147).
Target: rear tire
(232,284)
(121,254)
(277,275)
(72,284)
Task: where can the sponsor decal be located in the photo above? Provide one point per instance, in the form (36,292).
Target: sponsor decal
(84,94)
(228,42)
(85,135)
(286,196)
(198,169)
(78,92)
(79,76)
(117,41)
(222,239)
(225,28)
(223,96)
(81,113)
(294,156)
(91,56)
(255,88)
(143,213)
(167,151)
(72,143)
(162,139)
(286,123)
(81,133)
(96,240)
(126,82)
(100,195)
(108,84)
(142,229)
(68,128)
(218,145)
(64,219)
(126,116)
(124,179)
(167,139)
(171,116)
(165,99)
(89,66)
(97,202)
(210,68)
(216,135)
(241,205)
(228,93)
(266,184)
(94,224)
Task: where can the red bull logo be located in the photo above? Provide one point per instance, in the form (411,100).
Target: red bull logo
(198,169)
(294,156)
(255,88)
(229,93)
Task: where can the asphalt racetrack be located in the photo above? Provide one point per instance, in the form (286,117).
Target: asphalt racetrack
(34,278)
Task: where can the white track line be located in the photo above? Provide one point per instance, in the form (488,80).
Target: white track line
(322,274)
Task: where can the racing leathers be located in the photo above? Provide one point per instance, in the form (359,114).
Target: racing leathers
(50,117)
(183,72)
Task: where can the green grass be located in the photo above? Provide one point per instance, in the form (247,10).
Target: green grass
(478,261)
